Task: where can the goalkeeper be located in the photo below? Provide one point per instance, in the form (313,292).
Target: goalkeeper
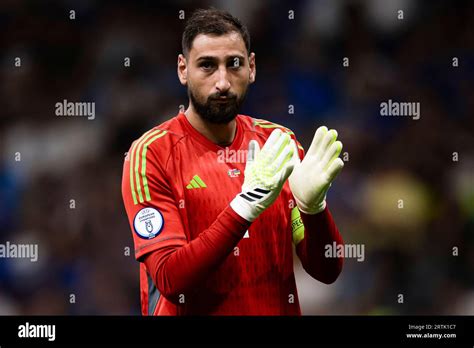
(214,235)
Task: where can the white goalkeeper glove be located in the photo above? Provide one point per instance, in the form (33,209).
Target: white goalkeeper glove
(265,174)
(312,177)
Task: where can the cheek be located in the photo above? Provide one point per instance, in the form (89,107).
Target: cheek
(244,76)
(197,90)
(242,82)
(200,83)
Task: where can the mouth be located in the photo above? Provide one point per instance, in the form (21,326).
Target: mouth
(222,99)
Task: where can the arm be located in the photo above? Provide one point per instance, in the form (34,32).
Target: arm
(309,184)
(320,230)
(176,269)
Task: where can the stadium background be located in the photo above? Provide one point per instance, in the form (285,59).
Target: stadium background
(82,251)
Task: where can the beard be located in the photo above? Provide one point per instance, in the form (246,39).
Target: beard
(215,111)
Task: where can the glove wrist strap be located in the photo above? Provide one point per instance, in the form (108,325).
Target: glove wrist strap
(243,208)
(316,209)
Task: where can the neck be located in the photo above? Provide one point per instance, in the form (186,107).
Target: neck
(220,134)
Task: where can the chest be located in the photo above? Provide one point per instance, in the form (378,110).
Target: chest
(207,181)
(210,180)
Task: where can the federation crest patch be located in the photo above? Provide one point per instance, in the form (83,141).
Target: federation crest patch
(233,173)
(148,223)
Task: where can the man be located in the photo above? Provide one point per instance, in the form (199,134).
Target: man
(213,231)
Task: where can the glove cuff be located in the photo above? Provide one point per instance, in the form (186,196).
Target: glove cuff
(243,208)
(311,210)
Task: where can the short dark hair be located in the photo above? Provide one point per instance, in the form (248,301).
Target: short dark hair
(215,22)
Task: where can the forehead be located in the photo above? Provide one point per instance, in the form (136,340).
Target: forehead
(218,46)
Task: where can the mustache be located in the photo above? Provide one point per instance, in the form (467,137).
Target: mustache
(218,95)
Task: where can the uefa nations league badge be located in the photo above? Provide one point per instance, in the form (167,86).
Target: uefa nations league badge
(148,223)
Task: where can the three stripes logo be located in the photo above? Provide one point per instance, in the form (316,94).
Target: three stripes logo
(255,194)
(196,183)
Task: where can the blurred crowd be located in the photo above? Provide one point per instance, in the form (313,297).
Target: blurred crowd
(60,177)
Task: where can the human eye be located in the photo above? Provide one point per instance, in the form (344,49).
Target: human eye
(235,63)
(206,65)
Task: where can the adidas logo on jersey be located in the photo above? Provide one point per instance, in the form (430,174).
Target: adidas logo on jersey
(195,183)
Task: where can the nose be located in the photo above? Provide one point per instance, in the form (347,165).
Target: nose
(222,84)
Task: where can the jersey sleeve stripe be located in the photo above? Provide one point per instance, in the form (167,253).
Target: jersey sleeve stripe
(136,192)
(266,124)
(144,179)
(132,188)
(137,162)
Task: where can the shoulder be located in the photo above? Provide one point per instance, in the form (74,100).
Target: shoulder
(163,136)
(157,141)
(262,126)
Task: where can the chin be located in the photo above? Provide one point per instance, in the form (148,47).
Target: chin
(224,119)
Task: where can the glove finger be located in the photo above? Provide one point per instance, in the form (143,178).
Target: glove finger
(253,151)
(296,156)
(272,139)
(285,156)
(331,154)
(329,138)
(335,168)
(318,137)
(279,146)
(285,172)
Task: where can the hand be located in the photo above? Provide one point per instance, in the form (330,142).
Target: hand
(265,174)
(312,177)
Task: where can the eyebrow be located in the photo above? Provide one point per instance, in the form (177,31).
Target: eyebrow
(215,58)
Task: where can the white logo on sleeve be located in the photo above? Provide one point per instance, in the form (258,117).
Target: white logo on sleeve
(148,223)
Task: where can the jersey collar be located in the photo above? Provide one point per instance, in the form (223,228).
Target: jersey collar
(206,142)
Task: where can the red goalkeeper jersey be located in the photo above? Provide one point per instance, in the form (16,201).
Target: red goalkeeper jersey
(197,256)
